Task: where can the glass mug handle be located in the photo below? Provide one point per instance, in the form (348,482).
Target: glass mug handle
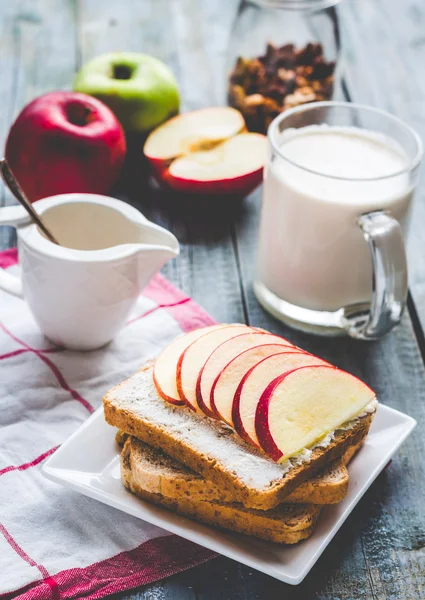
(384,236)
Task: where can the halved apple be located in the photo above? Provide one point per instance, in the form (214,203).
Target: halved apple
(255,381)
(233,167)
(300,407)
(221,356)
(194,357)
(165,368)
(191,132)
(205,151)
(226,382)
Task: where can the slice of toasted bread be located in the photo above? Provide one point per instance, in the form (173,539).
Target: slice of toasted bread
(327,486)
(158,473)
(214,450)
(287,524)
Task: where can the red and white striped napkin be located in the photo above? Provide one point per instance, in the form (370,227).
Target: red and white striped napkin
(55,543)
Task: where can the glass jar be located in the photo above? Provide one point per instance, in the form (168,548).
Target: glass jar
(282,53)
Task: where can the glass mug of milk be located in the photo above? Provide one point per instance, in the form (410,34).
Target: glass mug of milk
(337,190)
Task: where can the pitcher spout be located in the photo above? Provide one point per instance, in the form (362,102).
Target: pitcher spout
(158,254)
(156,239)
(157,246)
(151,234)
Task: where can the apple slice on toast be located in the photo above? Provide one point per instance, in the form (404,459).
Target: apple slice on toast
(165,369)
(302,406)
(255,381)
(193,358)
(221,356)
(226,383)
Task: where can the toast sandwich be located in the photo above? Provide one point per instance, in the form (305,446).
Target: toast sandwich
(158,473)
(213,449)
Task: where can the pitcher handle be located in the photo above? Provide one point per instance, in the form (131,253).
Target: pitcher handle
(384,236)
(14,216)
(11,284)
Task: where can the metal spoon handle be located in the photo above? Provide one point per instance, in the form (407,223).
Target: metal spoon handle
(13,185)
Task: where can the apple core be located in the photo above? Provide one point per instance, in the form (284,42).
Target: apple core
(122,72)
(79,114)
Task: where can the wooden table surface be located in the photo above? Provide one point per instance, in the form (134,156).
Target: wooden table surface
(380,551)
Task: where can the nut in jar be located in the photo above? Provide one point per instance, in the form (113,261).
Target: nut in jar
(282,78)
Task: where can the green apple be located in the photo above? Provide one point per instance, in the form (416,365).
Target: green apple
(140,89)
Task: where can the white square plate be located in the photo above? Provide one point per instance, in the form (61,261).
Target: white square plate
(89,463)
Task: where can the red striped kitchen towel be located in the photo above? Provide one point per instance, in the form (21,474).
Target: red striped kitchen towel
(53,543)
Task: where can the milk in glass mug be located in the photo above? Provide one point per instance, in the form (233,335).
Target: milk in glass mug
(337,192)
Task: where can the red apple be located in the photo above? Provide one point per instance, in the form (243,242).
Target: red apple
(65,142)
(303,405)
(207,152)
(193,131)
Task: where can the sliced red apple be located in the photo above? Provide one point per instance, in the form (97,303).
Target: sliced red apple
(255,381)
(300,407)
(221,356)
(226,383)
(235,166)
(165,368)
(194,357)
(192,132)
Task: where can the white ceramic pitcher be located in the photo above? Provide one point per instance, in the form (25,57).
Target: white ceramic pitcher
(82,291)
